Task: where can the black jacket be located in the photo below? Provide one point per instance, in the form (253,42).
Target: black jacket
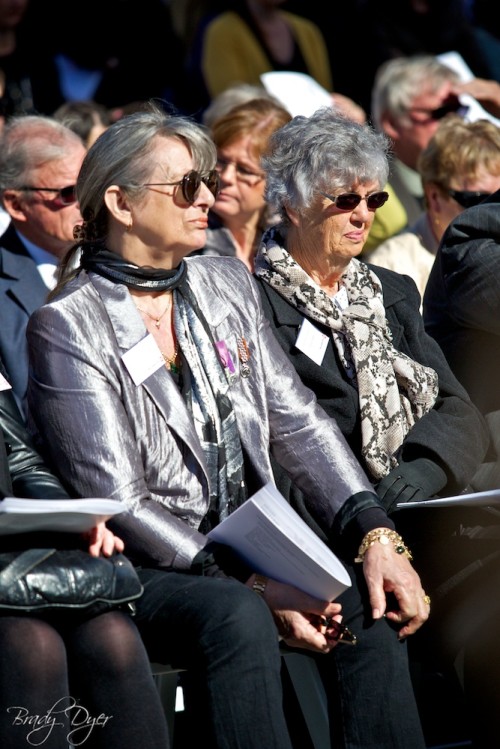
(443,449)
(462,301)
(23,473)
(462,312)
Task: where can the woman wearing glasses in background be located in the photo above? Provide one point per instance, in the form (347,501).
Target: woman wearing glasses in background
(155,380)
(239,214)
(459,168)
(356,338)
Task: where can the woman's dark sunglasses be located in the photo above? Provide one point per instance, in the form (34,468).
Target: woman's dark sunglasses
(468,198)
(191,183)
(65,195)
(348,201)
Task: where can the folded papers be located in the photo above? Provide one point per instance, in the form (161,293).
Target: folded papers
(18,515)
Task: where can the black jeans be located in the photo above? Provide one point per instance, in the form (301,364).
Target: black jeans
(225,635)
(370,693)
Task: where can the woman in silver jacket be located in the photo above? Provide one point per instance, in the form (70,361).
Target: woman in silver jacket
(155,380)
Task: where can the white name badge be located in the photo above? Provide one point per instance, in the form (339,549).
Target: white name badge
(4,385)
(143,359)
(312,342)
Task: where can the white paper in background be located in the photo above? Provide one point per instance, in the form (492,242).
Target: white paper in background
(456,62)
(298,92)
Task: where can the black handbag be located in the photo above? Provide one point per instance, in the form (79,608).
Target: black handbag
(45,580)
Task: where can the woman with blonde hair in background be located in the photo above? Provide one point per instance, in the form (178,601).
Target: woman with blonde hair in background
(460,167)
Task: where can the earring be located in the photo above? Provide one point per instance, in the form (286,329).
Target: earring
(129,226)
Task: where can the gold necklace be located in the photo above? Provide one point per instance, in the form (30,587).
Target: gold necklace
(170,360)
(153,317)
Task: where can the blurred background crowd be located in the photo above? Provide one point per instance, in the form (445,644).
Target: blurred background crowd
(120,52)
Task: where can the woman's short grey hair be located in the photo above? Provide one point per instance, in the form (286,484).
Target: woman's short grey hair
(322,153)
(398,81)
(123,156)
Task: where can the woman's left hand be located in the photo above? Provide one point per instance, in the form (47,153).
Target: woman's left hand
(103,541)
(386,572)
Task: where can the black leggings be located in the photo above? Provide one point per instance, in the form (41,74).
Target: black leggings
(88,682)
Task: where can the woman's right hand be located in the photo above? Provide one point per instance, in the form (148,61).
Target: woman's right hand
(299,616)
(388,572)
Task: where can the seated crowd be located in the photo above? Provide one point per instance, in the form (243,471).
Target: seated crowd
(189,311)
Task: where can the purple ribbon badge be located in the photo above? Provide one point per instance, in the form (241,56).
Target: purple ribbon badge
(225,356)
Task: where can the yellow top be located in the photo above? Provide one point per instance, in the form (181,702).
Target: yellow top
(232,54)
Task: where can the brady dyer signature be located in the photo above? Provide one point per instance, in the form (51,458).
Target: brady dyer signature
(65,713)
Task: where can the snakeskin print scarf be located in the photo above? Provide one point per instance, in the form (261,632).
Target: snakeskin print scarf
(394,391)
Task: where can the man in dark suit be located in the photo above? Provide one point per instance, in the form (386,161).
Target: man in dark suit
(39,163)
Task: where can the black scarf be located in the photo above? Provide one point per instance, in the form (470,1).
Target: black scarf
(96,258)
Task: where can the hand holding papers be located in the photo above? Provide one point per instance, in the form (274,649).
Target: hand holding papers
(69,515)
(455,62)
(268,534)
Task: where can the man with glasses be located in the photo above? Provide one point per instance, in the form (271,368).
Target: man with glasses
(410,97)
(39,163)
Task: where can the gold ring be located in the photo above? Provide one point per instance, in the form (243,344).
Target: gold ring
(427,600)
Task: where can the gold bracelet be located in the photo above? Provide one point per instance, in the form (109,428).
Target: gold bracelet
(384,536)
(260,584)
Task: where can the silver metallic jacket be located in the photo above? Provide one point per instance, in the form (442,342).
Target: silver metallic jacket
(108,437)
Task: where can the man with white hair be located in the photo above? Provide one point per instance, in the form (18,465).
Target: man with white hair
(39,163)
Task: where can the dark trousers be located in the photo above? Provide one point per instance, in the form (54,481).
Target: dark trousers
(225,635)
(370,693)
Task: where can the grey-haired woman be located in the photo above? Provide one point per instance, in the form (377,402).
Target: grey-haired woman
(355,336)
(155,380)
